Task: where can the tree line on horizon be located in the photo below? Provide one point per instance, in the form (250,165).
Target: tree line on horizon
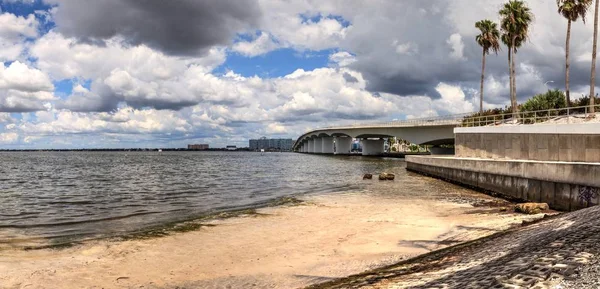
(513,32)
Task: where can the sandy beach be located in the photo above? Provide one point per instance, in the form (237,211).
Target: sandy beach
(325,237)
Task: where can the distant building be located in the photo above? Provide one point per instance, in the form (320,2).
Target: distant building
(231,148)
(279,144)
(197,147)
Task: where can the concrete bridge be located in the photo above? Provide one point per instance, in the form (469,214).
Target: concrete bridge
(338,140)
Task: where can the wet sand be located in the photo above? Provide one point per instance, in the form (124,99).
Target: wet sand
(326,237)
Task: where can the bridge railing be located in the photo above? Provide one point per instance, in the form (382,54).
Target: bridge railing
(557,115)
(425,121)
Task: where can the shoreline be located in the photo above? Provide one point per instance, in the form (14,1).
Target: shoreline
(165,229)
(327,237)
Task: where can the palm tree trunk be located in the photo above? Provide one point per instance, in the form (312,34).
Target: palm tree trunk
(593,74)
(516,106)
(513,90)
(510,78)
(567,64)
(482,78)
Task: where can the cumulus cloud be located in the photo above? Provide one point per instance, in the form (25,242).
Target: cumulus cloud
(134,64)
(124,120)
(456,44)
(13,31)
(184,27)
(18,76)
(65,58)
(23,88)
(408,48)
(342,58)
(5,117)
(260,45)
(8,137)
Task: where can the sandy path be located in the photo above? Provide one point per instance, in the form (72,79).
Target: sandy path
(330,237)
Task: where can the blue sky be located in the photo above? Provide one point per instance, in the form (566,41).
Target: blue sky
(156,74)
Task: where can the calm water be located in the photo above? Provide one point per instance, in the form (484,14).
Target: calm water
(81,195)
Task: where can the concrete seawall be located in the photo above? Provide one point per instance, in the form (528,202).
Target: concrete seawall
(564,186)
(564,142)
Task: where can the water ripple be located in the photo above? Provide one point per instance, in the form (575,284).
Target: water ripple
(80,194)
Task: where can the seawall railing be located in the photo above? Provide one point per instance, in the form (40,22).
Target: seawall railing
(558,115)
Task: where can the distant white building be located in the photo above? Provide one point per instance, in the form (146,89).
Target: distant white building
(280,144)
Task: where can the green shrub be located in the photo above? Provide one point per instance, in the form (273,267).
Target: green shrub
(553,99)
(413,148)
(585,101)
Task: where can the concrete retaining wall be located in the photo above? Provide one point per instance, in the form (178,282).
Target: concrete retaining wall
(561,142)
(564,186)
(542,147)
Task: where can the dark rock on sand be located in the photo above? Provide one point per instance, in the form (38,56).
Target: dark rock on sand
(386,176)
(531,208)
(367,177)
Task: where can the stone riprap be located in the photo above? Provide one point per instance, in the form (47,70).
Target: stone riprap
(554,253)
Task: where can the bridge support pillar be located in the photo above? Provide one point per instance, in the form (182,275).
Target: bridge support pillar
(372,147)
(343,145)
(318,145)
(327,145)
(311,146)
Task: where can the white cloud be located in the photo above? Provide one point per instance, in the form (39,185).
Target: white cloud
(276,128)
(383,65)
(5,117)
(342,58)
(457,46)
(453,99)
(13,31)
(260,45)
(405,48)
(15,27)
(23,88)
(124,120)
(288,23)
(8,137)
(65,58)
(19,76)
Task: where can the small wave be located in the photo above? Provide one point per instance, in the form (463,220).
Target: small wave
(71,203)
(75,222)
(19,214)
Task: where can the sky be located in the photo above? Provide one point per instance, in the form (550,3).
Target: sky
(154,73)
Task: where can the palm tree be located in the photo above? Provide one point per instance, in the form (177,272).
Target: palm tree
(572,10)
(507,40)
(516,18)
(593,74)
(489,41)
